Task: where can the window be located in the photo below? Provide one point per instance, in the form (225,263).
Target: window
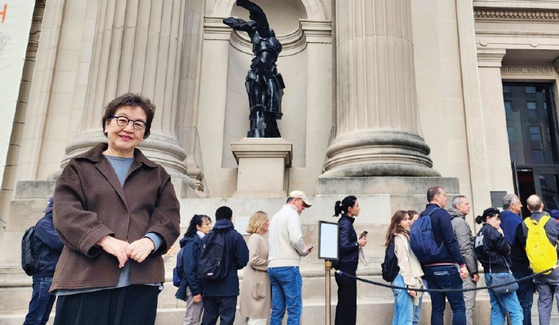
(532,109)
(535,134)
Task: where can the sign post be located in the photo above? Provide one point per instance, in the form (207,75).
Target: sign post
(328,251)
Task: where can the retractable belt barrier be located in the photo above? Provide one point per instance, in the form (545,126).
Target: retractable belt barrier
(442,290)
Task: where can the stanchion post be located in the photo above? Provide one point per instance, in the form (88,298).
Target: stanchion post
(327,267)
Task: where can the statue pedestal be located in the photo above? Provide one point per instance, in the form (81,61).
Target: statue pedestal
(262,166)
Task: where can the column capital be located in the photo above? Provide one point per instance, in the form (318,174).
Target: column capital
(490,57)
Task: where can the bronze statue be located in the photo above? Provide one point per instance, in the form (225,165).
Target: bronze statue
(263,82)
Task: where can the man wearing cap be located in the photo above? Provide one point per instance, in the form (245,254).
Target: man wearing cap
(47,247)
(286,248)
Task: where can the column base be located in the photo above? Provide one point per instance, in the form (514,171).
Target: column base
(379,153)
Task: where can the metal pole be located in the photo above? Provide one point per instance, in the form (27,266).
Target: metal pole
(327,267)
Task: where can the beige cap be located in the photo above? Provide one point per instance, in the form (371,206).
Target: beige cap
(302,196)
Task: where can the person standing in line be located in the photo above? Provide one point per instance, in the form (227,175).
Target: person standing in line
(458,212)
(47,247)
(117,213)
(546,284)
(346,310)
(256,298)
(493,250)
(405,301)
(220,296)
(511,223)
(414,215)
(190,288)
(443,273)
(286,248)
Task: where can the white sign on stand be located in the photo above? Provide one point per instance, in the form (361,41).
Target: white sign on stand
(327,240)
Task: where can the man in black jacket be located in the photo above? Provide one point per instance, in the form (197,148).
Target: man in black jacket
(220,297)
(47,247)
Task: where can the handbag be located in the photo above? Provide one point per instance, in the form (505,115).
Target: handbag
(502,278)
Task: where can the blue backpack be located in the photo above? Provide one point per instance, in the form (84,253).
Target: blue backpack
(422,239)
(178,271)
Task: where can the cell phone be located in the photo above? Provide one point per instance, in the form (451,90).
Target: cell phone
(364,234)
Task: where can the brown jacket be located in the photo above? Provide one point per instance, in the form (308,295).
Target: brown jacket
(90,203)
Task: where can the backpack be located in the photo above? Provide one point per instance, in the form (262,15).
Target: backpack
(212,257)
(178,271)
(422,239)
(28,257)
(390,268)
(541,253)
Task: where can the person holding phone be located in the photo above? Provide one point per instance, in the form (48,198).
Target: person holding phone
(346,310)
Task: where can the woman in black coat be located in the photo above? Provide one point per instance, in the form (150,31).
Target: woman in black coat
(346,310)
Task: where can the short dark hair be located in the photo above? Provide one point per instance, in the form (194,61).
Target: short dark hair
(132,100)
(432,191)
(223,212)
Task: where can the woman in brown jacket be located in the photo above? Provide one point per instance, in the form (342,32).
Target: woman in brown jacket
(116,213)
(256,298)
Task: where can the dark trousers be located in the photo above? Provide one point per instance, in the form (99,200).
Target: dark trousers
(41,302)
(222,307)
(346,310)
(525,294)
(132,305)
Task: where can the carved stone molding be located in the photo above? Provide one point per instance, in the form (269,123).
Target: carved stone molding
(516,14)
(527,70)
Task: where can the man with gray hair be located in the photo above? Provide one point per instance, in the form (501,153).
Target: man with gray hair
(511,223)
(463,232)
(546,284)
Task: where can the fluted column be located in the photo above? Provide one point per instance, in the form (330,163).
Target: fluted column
(377,122)
(137,48)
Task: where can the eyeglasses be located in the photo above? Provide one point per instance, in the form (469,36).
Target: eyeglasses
(136,124)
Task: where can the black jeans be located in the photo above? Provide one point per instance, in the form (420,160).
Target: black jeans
(346,310)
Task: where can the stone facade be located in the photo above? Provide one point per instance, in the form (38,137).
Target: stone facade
(382,100)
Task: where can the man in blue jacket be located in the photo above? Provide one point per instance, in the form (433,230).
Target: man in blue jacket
(443,273)
(220,297)
(47,247)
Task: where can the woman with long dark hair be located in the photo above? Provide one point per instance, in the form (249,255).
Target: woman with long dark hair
(346,310)
(190,289)
(406,302)
(493,250)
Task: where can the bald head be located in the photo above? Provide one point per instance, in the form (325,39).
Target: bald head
(534,203)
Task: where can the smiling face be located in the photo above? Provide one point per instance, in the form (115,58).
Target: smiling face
(123,140)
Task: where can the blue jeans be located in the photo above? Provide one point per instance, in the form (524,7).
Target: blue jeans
(445,277)
(417,311)
(525,294)
(41,302)
(287,285)
(501,303)
(403,303)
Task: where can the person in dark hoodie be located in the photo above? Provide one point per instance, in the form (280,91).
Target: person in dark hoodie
(190,289)
(220,296)
(47,247)
(493,252)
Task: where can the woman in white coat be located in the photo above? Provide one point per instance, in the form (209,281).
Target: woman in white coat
(256,298)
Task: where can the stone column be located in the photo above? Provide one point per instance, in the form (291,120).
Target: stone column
(137,48)
(377,122)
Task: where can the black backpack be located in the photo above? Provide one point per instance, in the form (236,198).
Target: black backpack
(213,262)
(390,268)
(28,257)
